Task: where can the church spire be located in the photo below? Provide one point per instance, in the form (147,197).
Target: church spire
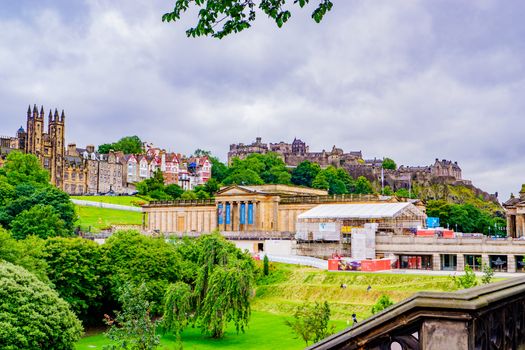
(62,117)
(29,111)
(35,111)
(42,112)
(56,114)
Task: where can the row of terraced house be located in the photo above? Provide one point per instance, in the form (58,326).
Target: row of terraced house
(81,171)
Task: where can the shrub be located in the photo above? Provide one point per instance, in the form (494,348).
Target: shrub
(382,303)
(32,315)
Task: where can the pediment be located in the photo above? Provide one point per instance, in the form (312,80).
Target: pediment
(234,191)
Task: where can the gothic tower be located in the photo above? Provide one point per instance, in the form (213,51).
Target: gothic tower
(56,152)
(35,131)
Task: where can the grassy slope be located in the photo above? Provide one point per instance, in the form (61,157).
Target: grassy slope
(288,286)
(100,218)
(121,200)
(292,285)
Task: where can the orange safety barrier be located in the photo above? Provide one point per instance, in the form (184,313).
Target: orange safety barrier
(333,264)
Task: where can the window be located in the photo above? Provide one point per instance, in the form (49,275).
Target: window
(474,261)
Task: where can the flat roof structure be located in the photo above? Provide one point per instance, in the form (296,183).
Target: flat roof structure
(360,211)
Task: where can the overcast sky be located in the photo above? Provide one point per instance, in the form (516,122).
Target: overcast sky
(411,80)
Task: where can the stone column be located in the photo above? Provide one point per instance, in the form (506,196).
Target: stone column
(460,262)
(510,231)
(511,263)
(436,262)
(519,225)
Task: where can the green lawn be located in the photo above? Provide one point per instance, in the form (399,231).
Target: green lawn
(288,286)
(121,200)
(100,218)
(266,331)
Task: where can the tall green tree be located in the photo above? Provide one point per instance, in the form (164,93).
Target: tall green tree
(132,257)
(389,164)
(177,307)
(221,18)
(32,315)
(219,170)
(74,268)
(363,186)
(23,168)
(311,321)
(127,145)
(41,220)
(305,173)
(133,327)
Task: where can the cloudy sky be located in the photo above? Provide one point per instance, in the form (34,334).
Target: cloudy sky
(411,80)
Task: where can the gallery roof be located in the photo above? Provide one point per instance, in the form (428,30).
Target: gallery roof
(359,211)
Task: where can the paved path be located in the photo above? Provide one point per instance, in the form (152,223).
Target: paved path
(106,205)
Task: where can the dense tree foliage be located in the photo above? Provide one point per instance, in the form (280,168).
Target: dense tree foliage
(389,164)
(40,220)
(305,173)
(219,170)
(74,268)
(338,181)
(465,217)
(26,195)
(363,186)
(258,169)
(133,327)
(23,168)
(127,145)
(32,315)
(28,253)
(132,257)
(218,18)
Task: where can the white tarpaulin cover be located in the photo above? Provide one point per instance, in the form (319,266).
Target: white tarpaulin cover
(357,211)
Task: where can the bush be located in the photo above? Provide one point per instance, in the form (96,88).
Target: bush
(32,315)
(382,303)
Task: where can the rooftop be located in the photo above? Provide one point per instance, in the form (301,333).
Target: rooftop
(358,211)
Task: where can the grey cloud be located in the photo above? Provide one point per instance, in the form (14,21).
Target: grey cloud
(413,80)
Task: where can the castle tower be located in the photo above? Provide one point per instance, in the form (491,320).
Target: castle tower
(57,149)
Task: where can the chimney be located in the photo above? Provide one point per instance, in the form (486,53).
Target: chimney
(71,149)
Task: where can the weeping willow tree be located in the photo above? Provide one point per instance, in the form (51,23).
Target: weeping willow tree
(221,292)
(227,299)
(177,309)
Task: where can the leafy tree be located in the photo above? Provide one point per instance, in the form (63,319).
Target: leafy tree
(24,168)
(227,298)
(403,193)
(211,187)
(159,195)
(28,195)
(174,191)
(305,173)
(129,256)
(73,266)
(201,153)
(321,181)
(224,285)
(127,145)
(188,195)
(468,280)
(132,328)
(243,177)
(389,164)
(28,253)
(177,307)
(41,220)
(219,170)
(488,274)
(32,315)
(347,180)
(310,322)
(382,303)
(363,186)
(266,265)
(387,191)
(236,15)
